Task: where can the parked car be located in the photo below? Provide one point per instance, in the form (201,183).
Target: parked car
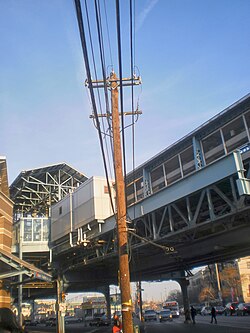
(71,320)
(29,322)
(50,322)
(165,315)
(219,310)
(243,309)
(150,315)
(206,310)
(230,308)
(100,320)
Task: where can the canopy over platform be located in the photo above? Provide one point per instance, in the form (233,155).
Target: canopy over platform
(35,190)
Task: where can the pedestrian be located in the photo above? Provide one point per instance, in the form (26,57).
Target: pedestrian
(193,314)
(117,326)
(213,315)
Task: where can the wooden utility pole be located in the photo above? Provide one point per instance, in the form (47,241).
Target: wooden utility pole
(121,212)
(113,83)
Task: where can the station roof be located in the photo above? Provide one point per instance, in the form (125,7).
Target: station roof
(35,190)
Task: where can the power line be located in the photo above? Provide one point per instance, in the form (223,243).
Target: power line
(98,92)
(103,65)
(110,52)
(86,60)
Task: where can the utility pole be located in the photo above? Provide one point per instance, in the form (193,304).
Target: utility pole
(124,275)
(121,213)
(139,298)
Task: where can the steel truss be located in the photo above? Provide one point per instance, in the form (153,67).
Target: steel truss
(167,233)
(34,191)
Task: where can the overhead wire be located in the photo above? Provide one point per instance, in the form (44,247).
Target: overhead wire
(107,26)
(104,75)
(103,64)
(166,249)
(93,59)
(92,95)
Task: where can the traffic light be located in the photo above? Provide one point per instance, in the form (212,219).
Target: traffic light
(63,296)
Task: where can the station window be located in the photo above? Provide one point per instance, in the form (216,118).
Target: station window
(157,179)
(130,192)
(139,188)
(213,147)
(37,230)
(173,170)
(60,210)
(235,134)
(187,161)
(45,229)
(27,230)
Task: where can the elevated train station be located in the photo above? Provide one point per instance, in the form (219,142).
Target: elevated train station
(187,206)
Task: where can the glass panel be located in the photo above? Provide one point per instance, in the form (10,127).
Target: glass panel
(157,179)
(37,230)
(173,170)
(27,230)
(213,147)
(139,188)
(130,194)
(45,229)
(187,161)
(235,134)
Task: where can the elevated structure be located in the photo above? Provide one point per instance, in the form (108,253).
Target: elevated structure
(189,206)
(86,208)
(10,265)
(34,192)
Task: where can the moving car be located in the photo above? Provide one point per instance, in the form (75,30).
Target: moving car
(100,320)
(206,310)
(230,308)
(50,322)
(150,315)
(71,319)
(165,315)
(219,309)
(243,309)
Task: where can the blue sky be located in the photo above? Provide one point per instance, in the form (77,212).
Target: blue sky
(193,57)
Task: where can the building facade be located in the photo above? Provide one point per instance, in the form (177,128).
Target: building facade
(244,270)
(6,211)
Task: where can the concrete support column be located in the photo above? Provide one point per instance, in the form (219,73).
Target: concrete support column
(184,285)
(60,308)
(106,293)
(32,303)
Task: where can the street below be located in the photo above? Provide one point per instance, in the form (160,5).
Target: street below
(226,324)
